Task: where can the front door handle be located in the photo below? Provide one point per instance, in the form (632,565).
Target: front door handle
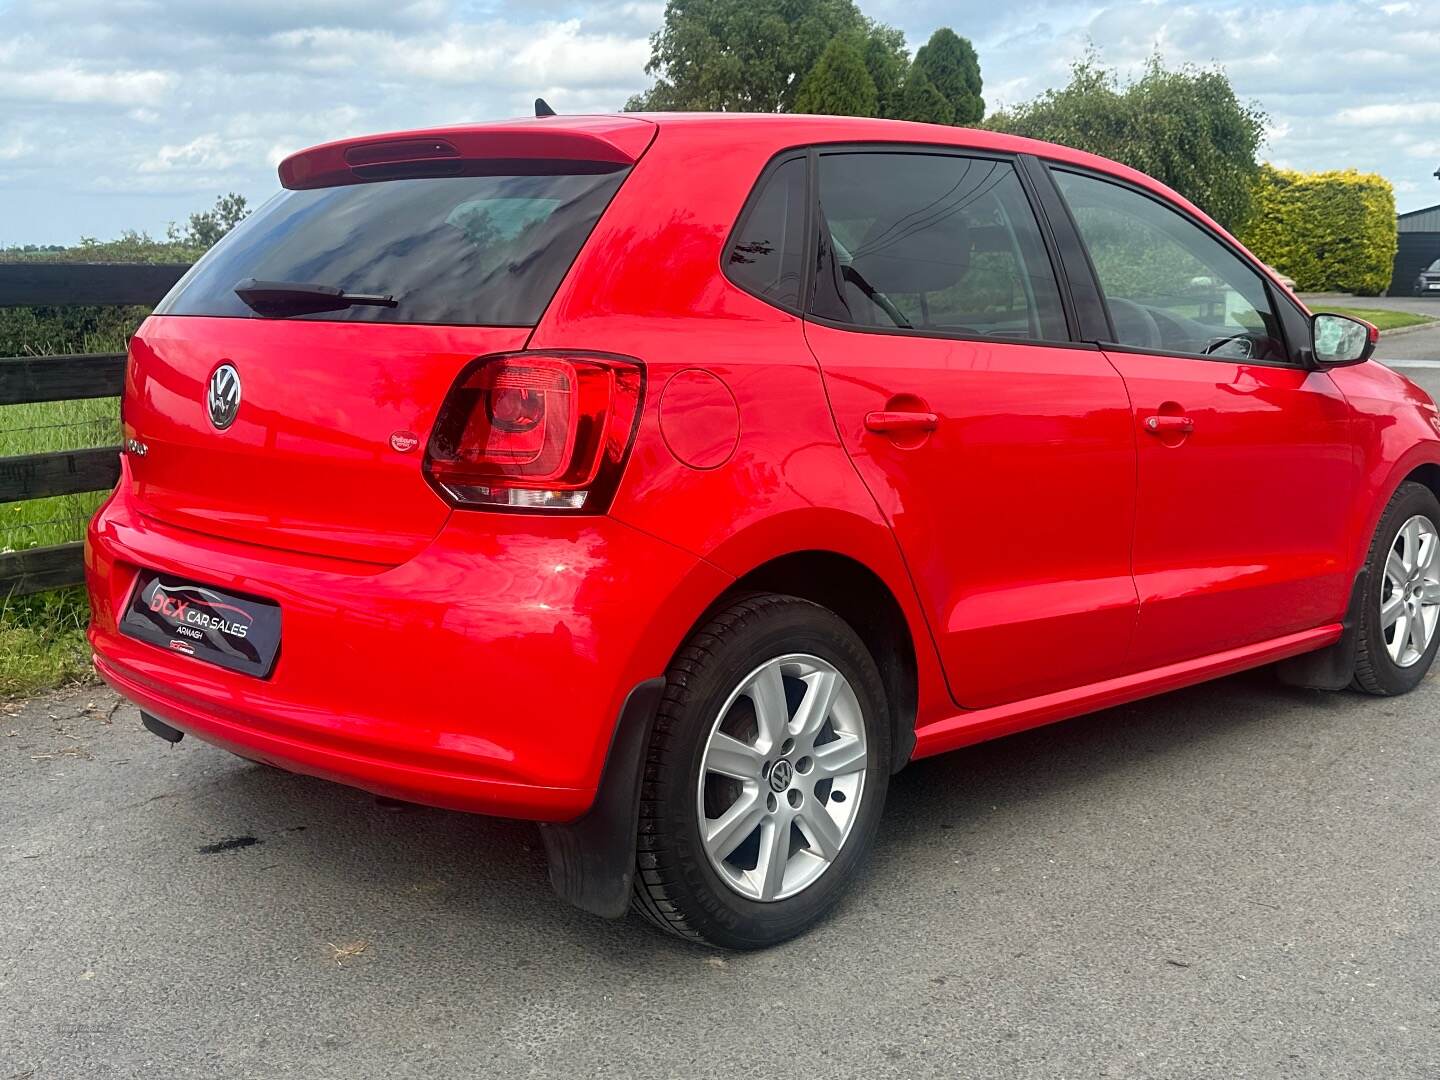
(901,423)
(1169,425)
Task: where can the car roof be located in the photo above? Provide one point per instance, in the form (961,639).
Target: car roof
(784,130)
(777,131)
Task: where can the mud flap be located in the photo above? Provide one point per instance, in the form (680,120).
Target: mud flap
(1333,667)
(592,859)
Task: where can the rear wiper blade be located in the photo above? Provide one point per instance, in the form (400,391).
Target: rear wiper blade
(304,297)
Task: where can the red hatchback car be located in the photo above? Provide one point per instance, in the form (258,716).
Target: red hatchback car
(674,480)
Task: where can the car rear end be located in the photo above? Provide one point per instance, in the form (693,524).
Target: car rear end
(360,528)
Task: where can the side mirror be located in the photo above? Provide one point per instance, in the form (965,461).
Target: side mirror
(1339,340)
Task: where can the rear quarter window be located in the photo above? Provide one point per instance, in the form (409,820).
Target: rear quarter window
(767,250)
(475,250)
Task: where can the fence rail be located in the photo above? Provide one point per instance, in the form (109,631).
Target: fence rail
(34,379)
(28,379)
(59,284)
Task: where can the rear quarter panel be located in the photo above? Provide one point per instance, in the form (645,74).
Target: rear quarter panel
(649,284)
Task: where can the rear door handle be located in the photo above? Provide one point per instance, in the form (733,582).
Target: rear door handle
(899,423)
(1166,425)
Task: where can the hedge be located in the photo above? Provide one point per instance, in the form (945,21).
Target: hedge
(1330,231)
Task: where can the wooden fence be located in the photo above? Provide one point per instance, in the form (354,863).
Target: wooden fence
(30,379)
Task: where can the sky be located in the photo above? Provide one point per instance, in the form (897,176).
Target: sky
(130,114)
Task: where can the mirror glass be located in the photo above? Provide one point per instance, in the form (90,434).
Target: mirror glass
(1339,340)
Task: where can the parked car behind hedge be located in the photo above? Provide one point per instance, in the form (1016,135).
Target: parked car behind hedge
(1429,280)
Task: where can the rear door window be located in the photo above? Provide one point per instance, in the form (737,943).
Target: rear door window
(475,250)
(935,242)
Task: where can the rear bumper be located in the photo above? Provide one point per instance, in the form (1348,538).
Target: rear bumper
(247,735)
(485,674)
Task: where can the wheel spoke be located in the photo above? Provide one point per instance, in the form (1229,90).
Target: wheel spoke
(1431,592)
(1396,644)
(1428,544)
(1391,610)
(1419,639)
(1411,534)
(815,706)
(1395,570)
(730,757)
(774,854)
(732,828)
(821,832)
(838,758)
(772,713)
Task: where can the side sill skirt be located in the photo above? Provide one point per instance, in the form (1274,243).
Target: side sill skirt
(978,725)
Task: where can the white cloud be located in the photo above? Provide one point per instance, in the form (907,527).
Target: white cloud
(185,99)
(1391,114)
(208,153)
(491,55)
(73,85)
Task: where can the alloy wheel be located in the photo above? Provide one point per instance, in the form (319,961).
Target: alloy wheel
(1410,593)
(782,776)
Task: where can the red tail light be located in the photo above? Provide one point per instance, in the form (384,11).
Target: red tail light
(536,431)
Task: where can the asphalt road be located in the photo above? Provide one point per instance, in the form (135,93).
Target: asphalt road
(1236,880)
(1415,352)
(1420,305)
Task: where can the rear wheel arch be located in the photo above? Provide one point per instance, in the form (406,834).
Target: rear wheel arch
(592,859)
(859,596)
(1427,474)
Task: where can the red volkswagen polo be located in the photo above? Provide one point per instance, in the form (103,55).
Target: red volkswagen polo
(674,480)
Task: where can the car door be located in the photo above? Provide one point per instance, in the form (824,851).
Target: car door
(999,449)
(1245,466)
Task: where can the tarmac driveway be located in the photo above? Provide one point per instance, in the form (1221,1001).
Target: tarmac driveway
(1236,880)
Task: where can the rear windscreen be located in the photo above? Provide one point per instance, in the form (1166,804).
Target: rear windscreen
(475,250)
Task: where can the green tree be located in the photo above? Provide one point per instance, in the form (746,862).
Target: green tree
(922,100)
(208,226)
(1184,127)
(839,84)
(950,63)
(742,55)
(887,60)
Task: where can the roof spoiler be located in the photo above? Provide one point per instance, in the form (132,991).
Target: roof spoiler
(588,144)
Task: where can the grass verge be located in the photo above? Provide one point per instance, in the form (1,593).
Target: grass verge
(1384,319)
(42,642)
(42,638)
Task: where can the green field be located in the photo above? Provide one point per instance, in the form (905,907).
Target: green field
(1383,318)
(42,637)
(41,641)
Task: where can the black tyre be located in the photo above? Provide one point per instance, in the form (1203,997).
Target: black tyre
(1396,627)
(765,777)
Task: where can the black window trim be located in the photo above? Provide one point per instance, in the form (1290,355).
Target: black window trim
(921,149)
(1285,308)
(1091,312)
